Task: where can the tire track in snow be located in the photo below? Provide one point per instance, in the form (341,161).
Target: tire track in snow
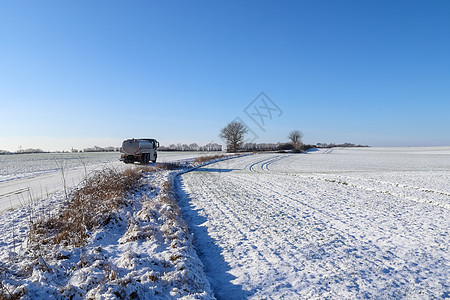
(328,151)
(251,167)
(265,165)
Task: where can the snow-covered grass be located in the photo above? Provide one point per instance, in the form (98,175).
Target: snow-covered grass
(121,235)
(89,207)
(341,223)
(208,158)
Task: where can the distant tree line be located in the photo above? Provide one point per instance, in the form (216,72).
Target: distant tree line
(272,147)
(4,152)
(191,147)
(345,145)
(260,146)
(98,149)
(32,150)
(23,151)
(291,146)
(295,145)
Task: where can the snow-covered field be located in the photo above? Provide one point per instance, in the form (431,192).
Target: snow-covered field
(38,176)
(341,223)
(13,167)
(338,223)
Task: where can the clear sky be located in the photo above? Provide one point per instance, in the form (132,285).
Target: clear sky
(85,73)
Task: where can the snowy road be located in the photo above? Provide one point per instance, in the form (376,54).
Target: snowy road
(351,223)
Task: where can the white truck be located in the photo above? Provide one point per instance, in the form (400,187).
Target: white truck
(139,150)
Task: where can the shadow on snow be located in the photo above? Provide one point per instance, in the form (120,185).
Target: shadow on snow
(215,266)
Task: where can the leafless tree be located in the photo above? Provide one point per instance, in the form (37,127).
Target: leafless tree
(234,134)
(296,138)
(193,147)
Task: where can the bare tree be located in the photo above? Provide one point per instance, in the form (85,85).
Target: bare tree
(296,138)
(193,147)
(234,134)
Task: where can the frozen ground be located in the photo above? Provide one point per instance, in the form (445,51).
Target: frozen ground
(341,223)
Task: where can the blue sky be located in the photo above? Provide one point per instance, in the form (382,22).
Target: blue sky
(85,73)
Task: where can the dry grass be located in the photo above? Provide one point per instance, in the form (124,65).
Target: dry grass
(6,294)
(91,206)
(172,211)
(97,203)
(161,166)
(203,159)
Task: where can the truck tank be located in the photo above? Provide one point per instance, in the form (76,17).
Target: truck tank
(139,150)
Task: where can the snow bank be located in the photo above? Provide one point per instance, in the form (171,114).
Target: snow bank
(144,252)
